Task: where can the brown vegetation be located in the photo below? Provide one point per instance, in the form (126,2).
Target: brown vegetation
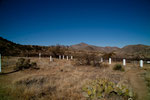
(8,48)
(64,79)
(55,80)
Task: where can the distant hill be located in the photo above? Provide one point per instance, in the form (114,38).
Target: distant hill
(84,46)
(136,51)
(8,48)
(129,51)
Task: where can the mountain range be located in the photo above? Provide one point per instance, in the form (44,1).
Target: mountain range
(9,48)
(84,46)
(139,50)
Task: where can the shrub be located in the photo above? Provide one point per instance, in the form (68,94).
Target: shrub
(34,65)
(103,89)
(104,65)
(25,64)
(118,67)
(147,79)
(58,50)
(20,64)
(88,59)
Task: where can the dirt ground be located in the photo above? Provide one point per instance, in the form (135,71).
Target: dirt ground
(62,80)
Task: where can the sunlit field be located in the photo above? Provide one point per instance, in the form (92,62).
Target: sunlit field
(64,80)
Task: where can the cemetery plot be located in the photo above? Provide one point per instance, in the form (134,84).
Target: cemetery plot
(63,79)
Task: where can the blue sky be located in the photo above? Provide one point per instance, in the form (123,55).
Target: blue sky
(67,22)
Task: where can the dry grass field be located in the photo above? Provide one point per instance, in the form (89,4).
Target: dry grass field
(63,80)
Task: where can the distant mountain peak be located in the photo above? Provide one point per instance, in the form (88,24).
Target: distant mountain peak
(83,44)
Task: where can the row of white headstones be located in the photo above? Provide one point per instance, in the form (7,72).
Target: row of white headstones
(71,57)
(60,57)
(124,62)
(67,57)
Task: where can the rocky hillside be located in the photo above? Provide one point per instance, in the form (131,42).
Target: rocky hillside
(8,48)
(84,46)
(136,51)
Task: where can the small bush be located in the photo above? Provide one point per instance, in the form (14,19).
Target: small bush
(34,65)
(104,65)
(118,67)
(88,59)
(25,64)
(147,79)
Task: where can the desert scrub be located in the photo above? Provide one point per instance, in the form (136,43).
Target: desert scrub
(104,65)
(147,79)
(34,87)
(146,76)
(87,59)
(25,64)
(104,89)
(118,67)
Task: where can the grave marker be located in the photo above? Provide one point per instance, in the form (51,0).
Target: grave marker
(67,57)
(39,55)
(50,58)
(148,62)
(71,57)
(63,57)
(101,59)
(109,60)
(59,56)
(0,63)
(124,62)
(141,63)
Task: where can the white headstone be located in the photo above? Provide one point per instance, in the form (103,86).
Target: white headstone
(71,57)
(39,55)
(148,62)
(63,57)
(124,62)
(0,63)
(101,59)
(109,60)
(59,56)
(67,57)
(141,63)
(50,58)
